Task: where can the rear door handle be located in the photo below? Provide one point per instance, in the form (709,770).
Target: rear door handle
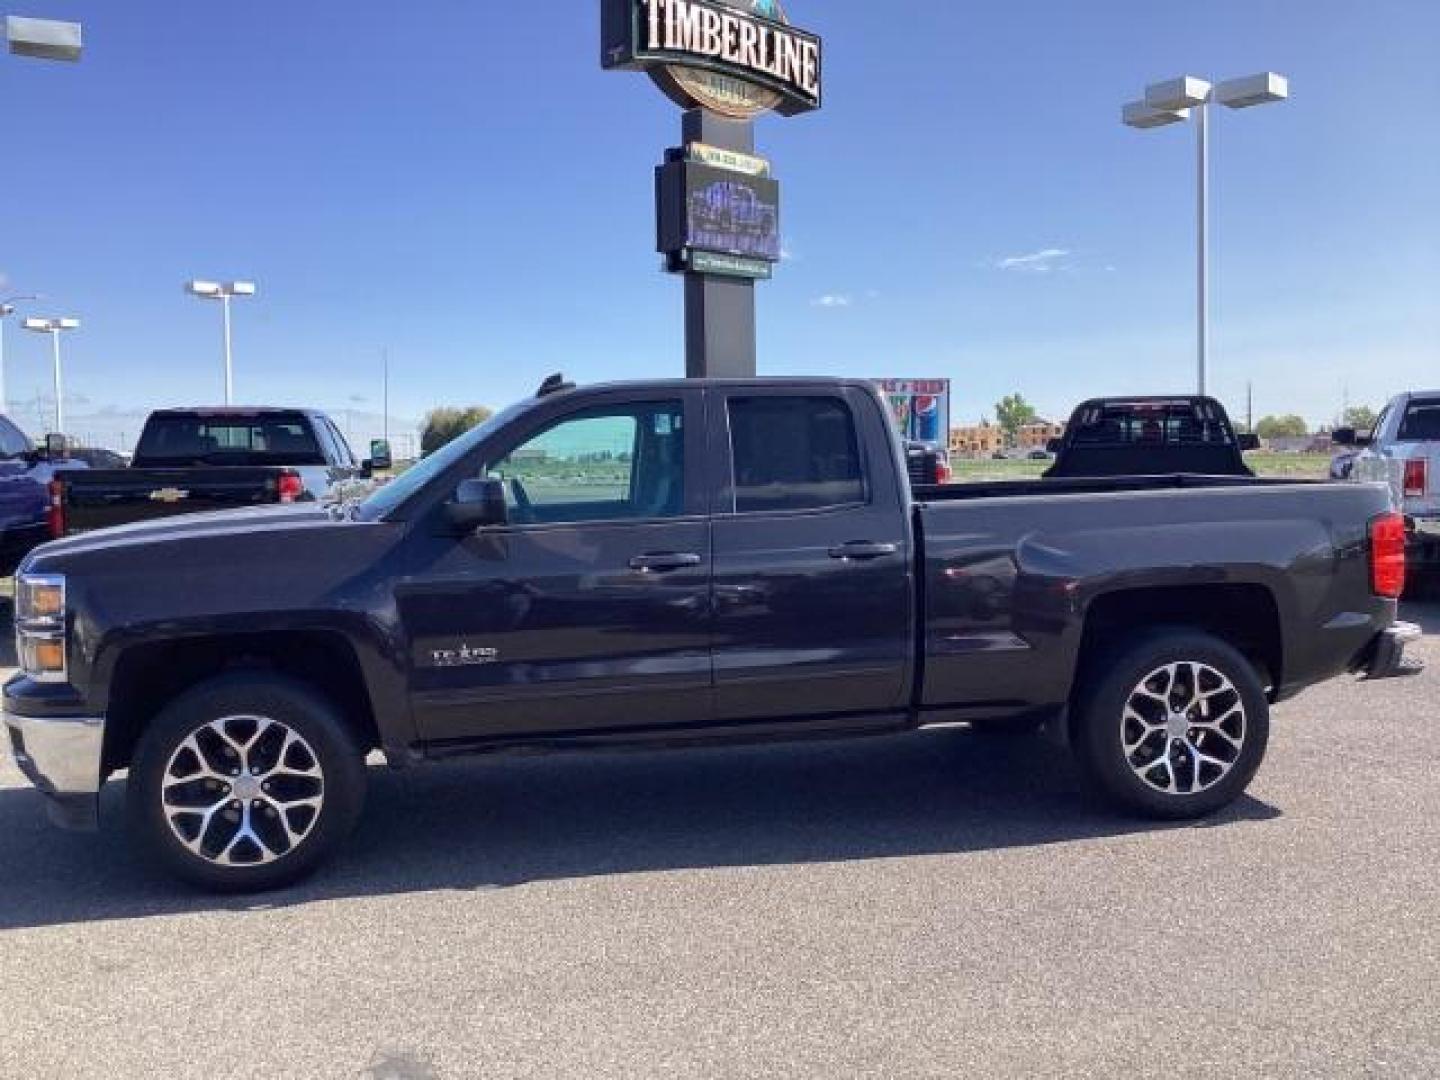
(659,562)
(863,549)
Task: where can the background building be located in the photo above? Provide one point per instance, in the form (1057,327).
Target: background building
(1034,435)
(979,441)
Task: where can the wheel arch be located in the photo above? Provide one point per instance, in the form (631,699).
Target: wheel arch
(148,675)
(1244,615)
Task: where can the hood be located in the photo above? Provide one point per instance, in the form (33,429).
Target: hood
(184,527)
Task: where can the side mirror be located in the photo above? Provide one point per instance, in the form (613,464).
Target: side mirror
(1343,436)
(55,446)
(380,458)
(1053,446)
(1248,441)
(478,503)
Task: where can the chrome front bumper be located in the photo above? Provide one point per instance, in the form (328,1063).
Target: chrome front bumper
(61,756)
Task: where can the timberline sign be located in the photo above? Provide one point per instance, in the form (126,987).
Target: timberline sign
(737,58)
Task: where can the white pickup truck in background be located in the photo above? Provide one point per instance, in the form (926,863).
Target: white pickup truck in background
(1404,452)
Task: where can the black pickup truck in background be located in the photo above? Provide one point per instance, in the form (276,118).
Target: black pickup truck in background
(1150,436)
(191,460)
(674,564)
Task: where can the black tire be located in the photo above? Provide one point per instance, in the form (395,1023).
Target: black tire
(321,764)
(1201,782)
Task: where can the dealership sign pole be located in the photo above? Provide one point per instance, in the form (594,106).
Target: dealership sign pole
(725,62)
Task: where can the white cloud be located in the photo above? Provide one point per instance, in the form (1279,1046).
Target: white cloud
(1035,262)
(832,300)
(789,254)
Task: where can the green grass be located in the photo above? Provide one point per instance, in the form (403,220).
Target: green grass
(1286,466)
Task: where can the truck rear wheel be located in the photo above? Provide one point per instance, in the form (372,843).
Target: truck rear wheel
(244,783)
(1173,726)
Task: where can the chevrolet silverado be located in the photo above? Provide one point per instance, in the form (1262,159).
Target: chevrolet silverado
(676,564)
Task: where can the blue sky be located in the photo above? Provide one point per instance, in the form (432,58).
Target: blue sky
(461,183)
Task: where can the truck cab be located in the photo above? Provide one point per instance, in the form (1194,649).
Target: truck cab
(1146,436)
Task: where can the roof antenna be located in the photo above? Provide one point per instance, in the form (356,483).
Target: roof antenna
(555,384)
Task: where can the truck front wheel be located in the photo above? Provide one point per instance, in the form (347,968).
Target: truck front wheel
(1173,726)
(246,782)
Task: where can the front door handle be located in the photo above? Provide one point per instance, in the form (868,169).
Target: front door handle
(863,549)
(659,562)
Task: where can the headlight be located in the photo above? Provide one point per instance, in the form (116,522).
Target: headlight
(40,626)
(41,597)
(42,658)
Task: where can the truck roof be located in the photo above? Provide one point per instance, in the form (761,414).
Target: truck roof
(1147,399)
(237,411)
(759,382)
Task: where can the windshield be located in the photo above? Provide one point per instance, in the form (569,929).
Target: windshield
(13,442)
(383,500)
(284,439)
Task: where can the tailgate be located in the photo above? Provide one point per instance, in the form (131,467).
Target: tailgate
(98,499)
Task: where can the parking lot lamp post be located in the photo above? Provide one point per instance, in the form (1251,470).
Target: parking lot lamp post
(214,290)
(55,327)
(1172,102)
(43,39)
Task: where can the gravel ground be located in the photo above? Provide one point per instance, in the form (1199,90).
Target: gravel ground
(936,905)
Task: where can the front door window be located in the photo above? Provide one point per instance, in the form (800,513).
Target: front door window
(607,464)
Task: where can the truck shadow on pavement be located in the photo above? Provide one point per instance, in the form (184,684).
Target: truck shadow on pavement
(505,822)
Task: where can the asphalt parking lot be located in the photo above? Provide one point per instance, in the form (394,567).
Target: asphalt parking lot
(938,905)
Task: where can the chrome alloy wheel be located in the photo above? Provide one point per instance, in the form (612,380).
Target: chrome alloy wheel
(243,791)
(1183,728)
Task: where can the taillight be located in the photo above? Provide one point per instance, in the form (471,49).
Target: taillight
(291,487)
(1416,477)
(942,471)
(55,510)
(1387,555)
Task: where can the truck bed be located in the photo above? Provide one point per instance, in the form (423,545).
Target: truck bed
(1009,570)
(1098,485)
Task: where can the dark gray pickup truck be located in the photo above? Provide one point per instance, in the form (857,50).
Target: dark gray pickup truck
(679,563)
(192,460)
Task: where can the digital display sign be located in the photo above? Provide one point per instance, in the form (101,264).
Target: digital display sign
(732,213)
(721,211)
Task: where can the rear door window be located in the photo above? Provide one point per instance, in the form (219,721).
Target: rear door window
(1421,422)
(229,440)
(794,453)
(1164,423)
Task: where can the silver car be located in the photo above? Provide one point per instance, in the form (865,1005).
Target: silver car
(1404,452)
